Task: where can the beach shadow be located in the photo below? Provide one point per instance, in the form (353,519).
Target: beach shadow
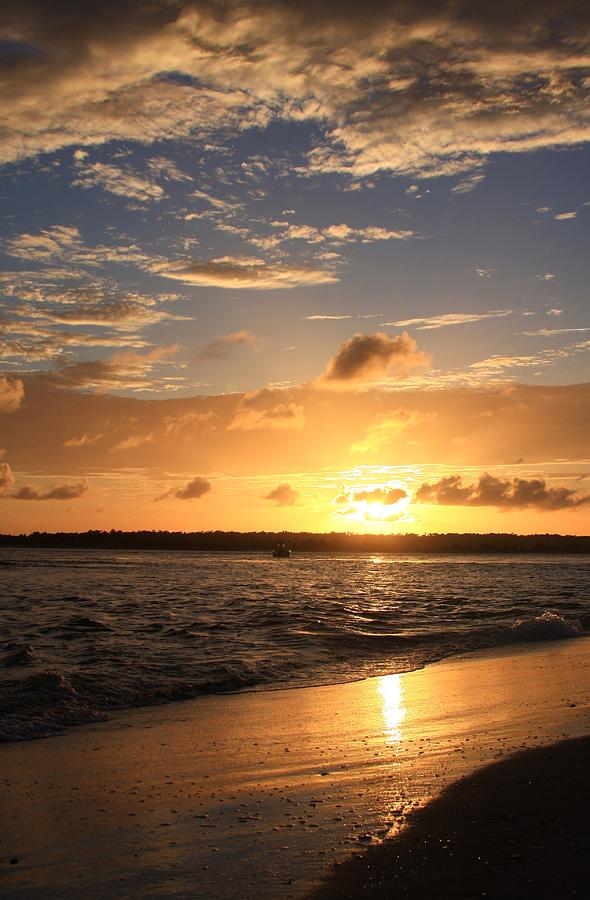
(516,829)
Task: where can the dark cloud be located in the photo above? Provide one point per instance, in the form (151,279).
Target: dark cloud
(520,493)
(367,356)
(283,495)
(194,490)
(67,491)
(123,371)
(425,87)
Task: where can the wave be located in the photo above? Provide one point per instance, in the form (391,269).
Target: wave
(549,626)
(44,703)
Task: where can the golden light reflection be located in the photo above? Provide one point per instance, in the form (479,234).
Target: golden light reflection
(393,708)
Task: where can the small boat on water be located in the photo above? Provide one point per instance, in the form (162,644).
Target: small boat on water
(281,551)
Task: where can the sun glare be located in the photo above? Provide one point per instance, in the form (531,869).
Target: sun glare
(379,503)
(393,708)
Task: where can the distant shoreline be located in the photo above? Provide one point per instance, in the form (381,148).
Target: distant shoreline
(334,542)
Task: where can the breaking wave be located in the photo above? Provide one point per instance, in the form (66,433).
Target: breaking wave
(78,642)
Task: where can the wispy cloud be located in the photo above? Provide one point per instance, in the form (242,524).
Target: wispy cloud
(119,180)
(468,184)
(431,322)
(222,346)
(244,273)
(552,332)
(324,317)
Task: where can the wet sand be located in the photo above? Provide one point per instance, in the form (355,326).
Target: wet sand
(516,829)
(258,795)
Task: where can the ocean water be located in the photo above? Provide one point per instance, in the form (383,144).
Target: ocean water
(86,632)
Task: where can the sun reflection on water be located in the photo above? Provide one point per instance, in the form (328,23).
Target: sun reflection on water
(393,709)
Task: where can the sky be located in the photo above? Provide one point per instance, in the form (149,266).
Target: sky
(317,266)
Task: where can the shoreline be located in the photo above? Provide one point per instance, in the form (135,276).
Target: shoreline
(111,714)
(257,794)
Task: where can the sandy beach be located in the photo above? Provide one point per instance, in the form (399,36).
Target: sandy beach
(259,794)
(515,829)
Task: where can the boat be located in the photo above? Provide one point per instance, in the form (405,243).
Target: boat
(281,551)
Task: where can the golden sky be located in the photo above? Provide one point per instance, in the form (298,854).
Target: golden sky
(310,266)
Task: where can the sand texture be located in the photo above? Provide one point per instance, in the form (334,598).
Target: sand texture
(515,829)
(258,795)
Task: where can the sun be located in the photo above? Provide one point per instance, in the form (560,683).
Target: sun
(377,503)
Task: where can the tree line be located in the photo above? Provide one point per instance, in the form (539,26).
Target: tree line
(301,541)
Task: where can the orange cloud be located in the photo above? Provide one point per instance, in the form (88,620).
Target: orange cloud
(12,394)
(243,273)
(283,495)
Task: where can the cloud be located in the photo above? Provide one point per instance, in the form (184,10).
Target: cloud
(337,235)
(121,181)
(259,411)
(194,490)
(244,273)
(123,371)
(64,243)
(417,88)
(56,240)
(387,496)
(66,491)
(283,495)
(93,306)
(447,319)
(521,493)
(386,428)
(222,346)
(83,440)
(6,476)
(165,168)
(551,332)
(496,364)
(216,202)
(367,356)
(12,394)
(563,217)
(325,318)
(468,184)
(134,441)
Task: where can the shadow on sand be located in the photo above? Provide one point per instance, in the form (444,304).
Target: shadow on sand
(516,829)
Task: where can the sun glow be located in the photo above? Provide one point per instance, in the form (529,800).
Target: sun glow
(381,503)
(393,708)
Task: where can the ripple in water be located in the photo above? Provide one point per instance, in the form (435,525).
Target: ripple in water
(82,633)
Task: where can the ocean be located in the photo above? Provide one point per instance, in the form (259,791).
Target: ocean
(83,633)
